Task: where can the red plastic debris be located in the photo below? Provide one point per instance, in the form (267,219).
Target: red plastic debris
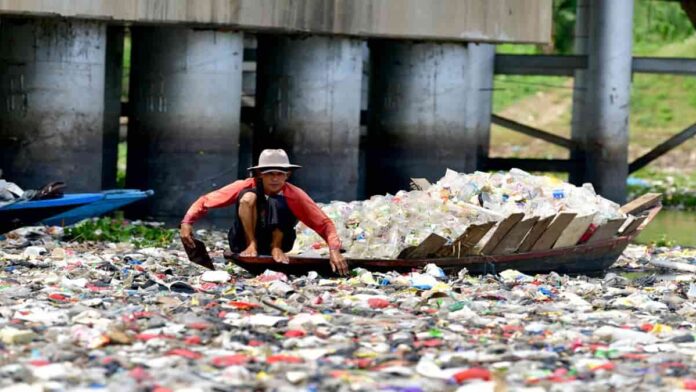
(198,326)
(139,374)
(255,343)
(193,340)
(295,333)
(182,352)
(161,389)
(429,343)
(472,374)
(107,360)
(39,362)
(364,363)
(93,287)
(647,327)
(149,336)
(672,365)
(575,344)
(377,303)
(283,358)
(230,360)
(588,233)
(635,356)
(598,346)
(690,384)
(243,305)
(208,286)
(559,375)
(58,297)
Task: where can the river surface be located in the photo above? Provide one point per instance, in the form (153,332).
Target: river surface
(677,226)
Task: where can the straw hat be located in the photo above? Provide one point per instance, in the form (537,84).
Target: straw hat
(274,160)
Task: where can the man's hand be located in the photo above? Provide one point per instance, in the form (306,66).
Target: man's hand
(186,234)
(338,263)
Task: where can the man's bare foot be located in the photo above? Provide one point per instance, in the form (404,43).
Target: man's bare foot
(250,251)
(279,256)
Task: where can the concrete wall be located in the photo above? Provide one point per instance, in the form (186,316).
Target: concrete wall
(524,21)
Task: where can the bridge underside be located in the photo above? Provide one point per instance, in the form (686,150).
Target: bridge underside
(364,94)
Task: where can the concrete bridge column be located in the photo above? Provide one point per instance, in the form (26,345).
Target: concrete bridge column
(479,101)
(308,100)
(52,101)
(429,110)
(580,123)
(608,96)
(183,132)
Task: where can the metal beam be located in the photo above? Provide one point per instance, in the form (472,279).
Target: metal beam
(566,65)
(663,148)
(533,132)
(544,165)
(526,64)
(661,65)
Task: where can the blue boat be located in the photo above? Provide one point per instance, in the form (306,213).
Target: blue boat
(66,210)
(111,201)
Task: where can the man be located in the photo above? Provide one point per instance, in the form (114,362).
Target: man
(266,212)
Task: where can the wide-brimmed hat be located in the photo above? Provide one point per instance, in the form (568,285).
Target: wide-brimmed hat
(274,160)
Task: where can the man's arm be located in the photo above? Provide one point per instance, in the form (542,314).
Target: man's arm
(222,197)
(307,211)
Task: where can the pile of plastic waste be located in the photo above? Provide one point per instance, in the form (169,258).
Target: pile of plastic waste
(110,316)
(384,225)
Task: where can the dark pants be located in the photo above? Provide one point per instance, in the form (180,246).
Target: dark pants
(275,215)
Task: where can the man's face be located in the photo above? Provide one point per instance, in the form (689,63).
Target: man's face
(273,181)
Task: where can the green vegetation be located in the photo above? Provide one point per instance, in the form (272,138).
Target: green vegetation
(125,77)
(679,189)
(664,241)
(121,165)
(119,230)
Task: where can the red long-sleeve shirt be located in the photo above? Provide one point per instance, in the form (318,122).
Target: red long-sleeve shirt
(300,204)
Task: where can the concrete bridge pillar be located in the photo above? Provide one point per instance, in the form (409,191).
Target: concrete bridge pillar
(52,94)
(308,100)
(479,100)
(183,133)
(429,110)
(580,123)
(608,96)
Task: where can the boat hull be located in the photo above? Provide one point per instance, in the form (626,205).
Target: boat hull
(113,200)
(27,213)
(581,259)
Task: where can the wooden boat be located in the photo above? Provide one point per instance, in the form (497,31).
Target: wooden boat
(66,210)
(565,244)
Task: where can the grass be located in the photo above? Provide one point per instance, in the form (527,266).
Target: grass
(119,230)
(121,165)
(125,76)
(679,189)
